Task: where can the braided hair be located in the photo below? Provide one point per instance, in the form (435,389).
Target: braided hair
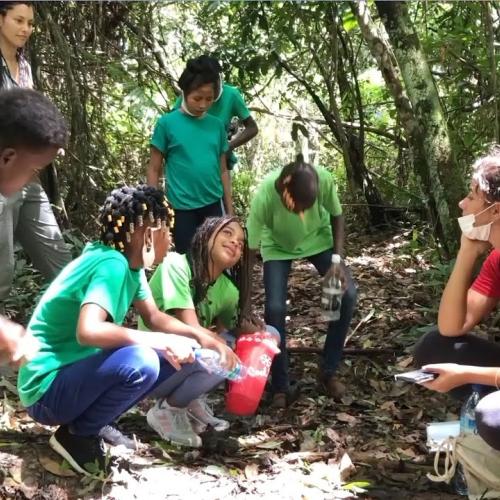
(200,257)
(129,207)
(299,183)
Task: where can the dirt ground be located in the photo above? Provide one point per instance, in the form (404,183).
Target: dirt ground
(370,445)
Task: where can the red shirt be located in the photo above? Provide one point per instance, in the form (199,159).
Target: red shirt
(488,281)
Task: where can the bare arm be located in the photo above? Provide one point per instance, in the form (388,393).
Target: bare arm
(154,170)
(338,229)
(158,320)
(94,330)
(461,309)
(248,133)
(226,184)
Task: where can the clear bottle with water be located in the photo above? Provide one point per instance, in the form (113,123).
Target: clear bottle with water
(210,360)
(467,426)
(331,298)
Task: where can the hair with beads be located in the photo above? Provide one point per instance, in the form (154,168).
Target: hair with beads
(298,183)
(200,258)
(127,208)
(487,174)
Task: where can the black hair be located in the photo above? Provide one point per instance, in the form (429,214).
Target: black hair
(6,6)
(129,207)
(198,72)
(30,120)
(301,181)
(200,257)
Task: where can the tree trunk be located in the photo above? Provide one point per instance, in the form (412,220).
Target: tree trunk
(490,38)
(441,178)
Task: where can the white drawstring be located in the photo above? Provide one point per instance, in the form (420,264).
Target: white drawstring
(450,461)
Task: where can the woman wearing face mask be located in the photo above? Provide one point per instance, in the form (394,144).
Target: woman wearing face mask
(25,216)
(90,369)
(190,146)
(456,355)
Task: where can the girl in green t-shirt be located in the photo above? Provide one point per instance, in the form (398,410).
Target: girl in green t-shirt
(90,369)
(207,287)
(190,146)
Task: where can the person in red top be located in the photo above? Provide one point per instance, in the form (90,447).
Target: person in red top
(459,357)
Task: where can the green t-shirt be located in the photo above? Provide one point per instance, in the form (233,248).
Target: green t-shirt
(192,148)
(100,276)
(229,105)
(282,234)
(171,289)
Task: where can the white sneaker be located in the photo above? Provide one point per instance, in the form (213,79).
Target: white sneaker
(172,424)
(201,416)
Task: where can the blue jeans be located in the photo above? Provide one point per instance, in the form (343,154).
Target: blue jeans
(276,285)
(93,392)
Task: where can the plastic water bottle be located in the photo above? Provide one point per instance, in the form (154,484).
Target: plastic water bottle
(210,360)
(331,298)
(467,426)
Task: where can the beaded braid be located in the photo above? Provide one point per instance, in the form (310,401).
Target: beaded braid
(199,258)
(129,207)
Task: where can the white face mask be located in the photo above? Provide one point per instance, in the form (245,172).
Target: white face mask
(481,233)
(221,89)
(148,255)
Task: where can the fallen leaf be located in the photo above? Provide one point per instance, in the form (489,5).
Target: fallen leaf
(345,417)
(57,468)
(251,471)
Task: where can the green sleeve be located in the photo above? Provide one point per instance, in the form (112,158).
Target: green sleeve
(160,136)
(240,108)
(144,291)
(256,220)
(175,284)
(328,192)
(105,287)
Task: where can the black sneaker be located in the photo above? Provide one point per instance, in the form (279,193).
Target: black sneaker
(84,453)
(114,437)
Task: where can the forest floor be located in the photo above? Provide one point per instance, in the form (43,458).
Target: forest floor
(370,445)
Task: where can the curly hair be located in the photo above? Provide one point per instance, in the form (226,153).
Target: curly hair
(28,119)
(487,174)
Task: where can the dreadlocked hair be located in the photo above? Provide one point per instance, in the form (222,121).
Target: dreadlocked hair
(200,257)
(300,180)
(129,207)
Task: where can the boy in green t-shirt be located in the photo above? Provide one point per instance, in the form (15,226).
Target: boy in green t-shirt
(90,369)
(32,130)
(198,289)
(191,146)
(296,214)
(229,104)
